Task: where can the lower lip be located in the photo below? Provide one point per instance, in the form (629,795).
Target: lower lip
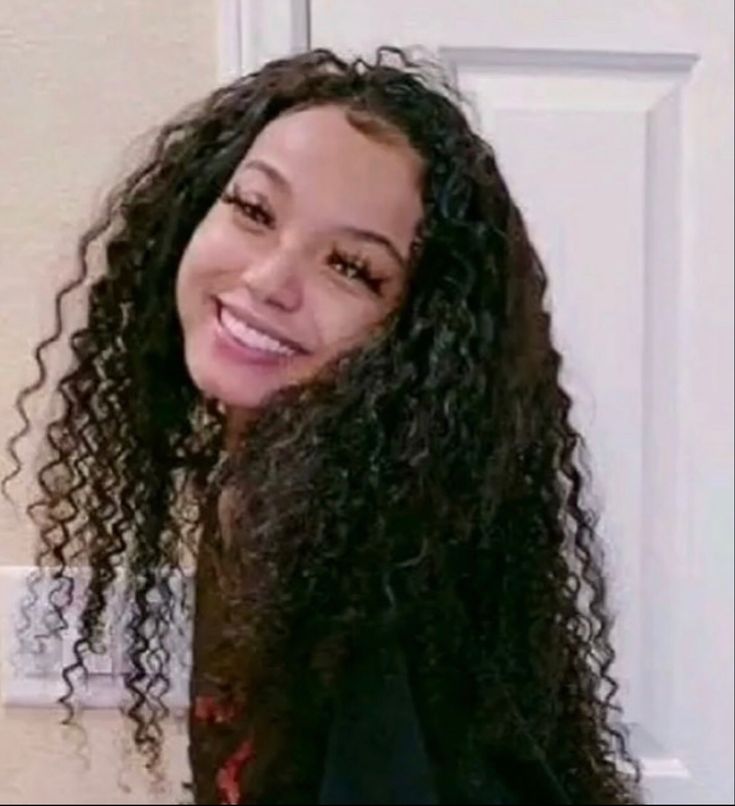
(234,350)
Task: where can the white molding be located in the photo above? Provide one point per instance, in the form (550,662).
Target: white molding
(228,40)
(251,32)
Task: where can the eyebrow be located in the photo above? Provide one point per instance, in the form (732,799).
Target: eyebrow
(268,170)
(356,232)
(376,238)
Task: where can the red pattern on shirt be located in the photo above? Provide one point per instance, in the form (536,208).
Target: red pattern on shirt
(207,709)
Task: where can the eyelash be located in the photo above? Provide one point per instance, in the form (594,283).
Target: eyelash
(359,265)
(255,211)
(260,216)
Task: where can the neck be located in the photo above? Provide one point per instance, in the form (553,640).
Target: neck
(235,426)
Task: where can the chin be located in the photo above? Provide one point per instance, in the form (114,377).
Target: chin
(240,392)
(241,395)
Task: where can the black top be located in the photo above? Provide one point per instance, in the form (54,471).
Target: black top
(376,753)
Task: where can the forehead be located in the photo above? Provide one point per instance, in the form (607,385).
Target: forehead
(340,170)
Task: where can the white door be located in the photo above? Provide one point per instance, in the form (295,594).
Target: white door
(612,121)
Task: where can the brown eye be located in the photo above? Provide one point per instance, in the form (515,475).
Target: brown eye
(355,268)
(254,211)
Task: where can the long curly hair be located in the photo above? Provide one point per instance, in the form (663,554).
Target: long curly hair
(430,482)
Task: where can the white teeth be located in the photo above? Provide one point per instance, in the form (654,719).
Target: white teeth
(250,337)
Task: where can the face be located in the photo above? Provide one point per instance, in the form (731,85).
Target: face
(301,259)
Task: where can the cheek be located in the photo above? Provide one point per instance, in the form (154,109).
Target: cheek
(188,270)
(183,292)
(344,321)
(203,259)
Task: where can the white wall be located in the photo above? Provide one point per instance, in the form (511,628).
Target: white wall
(79,82)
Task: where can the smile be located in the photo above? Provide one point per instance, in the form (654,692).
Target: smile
(250,337)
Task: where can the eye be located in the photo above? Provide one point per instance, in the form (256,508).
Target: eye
(255,211)
(355,267)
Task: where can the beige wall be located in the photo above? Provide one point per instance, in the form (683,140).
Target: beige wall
(80,80)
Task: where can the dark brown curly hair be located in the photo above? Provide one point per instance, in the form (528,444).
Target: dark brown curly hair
(430,483)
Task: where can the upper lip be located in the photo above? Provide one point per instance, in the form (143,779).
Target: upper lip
(253,321)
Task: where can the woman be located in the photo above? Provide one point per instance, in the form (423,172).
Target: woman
(321,325)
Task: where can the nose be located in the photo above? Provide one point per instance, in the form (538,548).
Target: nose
(274,279)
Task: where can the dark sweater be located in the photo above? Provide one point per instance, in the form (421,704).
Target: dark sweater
(376,753)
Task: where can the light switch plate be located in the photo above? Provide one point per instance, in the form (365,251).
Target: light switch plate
(34,652)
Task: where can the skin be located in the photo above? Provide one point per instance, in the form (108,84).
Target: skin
(293,255)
